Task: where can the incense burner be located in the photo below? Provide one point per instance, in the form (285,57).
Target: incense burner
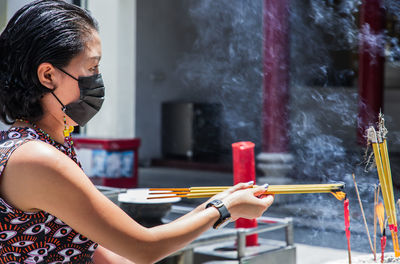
(146,212)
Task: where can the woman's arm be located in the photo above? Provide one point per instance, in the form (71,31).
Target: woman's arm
(105,256)
(48,180)
(219,196)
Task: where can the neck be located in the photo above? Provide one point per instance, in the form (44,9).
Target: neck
(51,131)
(55,132)
(53,127)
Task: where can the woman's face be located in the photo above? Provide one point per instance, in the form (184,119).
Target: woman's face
(66,88)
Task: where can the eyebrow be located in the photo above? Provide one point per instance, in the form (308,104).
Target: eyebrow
(95,58)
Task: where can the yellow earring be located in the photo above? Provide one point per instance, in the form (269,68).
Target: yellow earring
(67,129)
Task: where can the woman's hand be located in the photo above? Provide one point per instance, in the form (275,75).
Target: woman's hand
(246,202)
(226,193)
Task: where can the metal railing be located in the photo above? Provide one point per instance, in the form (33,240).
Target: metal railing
(216,237)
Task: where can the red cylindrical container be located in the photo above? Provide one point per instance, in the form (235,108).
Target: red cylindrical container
(244,171)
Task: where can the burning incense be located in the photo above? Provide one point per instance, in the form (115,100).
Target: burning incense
(393,225)
(385,178)
(203,192)
(388,174)
(380,213)
(363,215)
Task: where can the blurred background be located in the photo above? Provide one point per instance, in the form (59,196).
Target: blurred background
(301,79)
(191,77)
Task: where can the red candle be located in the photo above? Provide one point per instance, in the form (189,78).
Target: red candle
(244,171)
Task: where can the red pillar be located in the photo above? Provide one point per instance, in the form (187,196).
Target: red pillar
(244,171)
(371,65)
(276,76)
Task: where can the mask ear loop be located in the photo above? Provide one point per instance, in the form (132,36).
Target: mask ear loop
(63,108)
(67,129)
(68,74)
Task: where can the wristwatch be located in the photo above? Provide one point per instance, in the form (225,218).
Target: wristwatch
(224,215)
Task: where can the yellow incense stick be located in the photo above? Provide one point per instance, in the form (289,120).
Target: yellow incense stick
(272,188)
(379,166)
(388,176)
(381,159)
(388,181)
(375,203)
(208,191)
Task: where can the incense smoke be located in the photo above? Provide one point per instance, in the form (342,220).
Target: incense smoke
(225,66)
(323,96)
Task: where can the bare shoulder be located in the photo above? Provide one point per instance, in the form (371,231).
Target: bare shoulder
(36,153)
(36,161)
(34,171)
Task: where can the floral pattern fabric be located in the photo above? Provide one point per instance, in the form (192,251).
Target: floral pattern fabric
(37,237)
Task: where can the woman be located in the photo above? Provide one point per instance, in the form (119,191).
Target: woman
(50,212)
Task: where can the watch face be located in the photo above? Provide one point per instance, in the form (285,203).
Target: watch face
(225,216)
(217,203)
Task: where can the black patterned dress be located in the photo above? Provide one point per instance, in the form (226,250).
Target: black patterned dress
(38,237)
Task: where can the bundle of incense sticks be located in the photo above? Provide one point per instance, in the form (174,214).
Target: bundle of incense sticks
(203,192)
(379,145)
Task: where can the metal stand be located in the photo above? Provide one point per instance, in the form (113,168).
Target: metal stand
(228,245)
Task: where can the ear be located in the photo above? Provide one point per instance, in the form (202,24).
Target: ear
(47,75)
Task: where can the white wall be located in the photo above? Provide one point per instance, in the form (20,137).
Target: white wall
(3,14)
(117,21)
(7,10)
(143,41)
(14,5)
(163,35)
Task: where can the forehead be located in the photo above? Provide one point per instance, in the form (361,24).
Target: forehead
(91,52)
(93,46)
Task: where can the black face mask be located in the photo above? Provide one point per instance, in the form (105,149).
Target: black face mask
(90,100)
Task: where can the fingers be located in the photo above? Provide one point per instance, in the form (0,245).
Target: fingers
(268,200)
(265,201)
(246,202)
(240,186)
(259,190)
(231,190)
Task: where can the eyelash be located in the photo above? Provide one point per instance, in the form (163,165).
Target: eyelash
(94,68)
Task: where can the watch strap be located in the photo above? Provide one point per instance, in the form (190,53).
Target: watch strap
(224,215)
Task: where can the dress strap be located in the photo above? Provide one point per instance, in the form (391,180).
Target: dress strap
(10,141)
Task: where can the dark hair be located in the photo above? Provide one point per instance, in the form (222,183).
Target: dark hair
(50,31)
